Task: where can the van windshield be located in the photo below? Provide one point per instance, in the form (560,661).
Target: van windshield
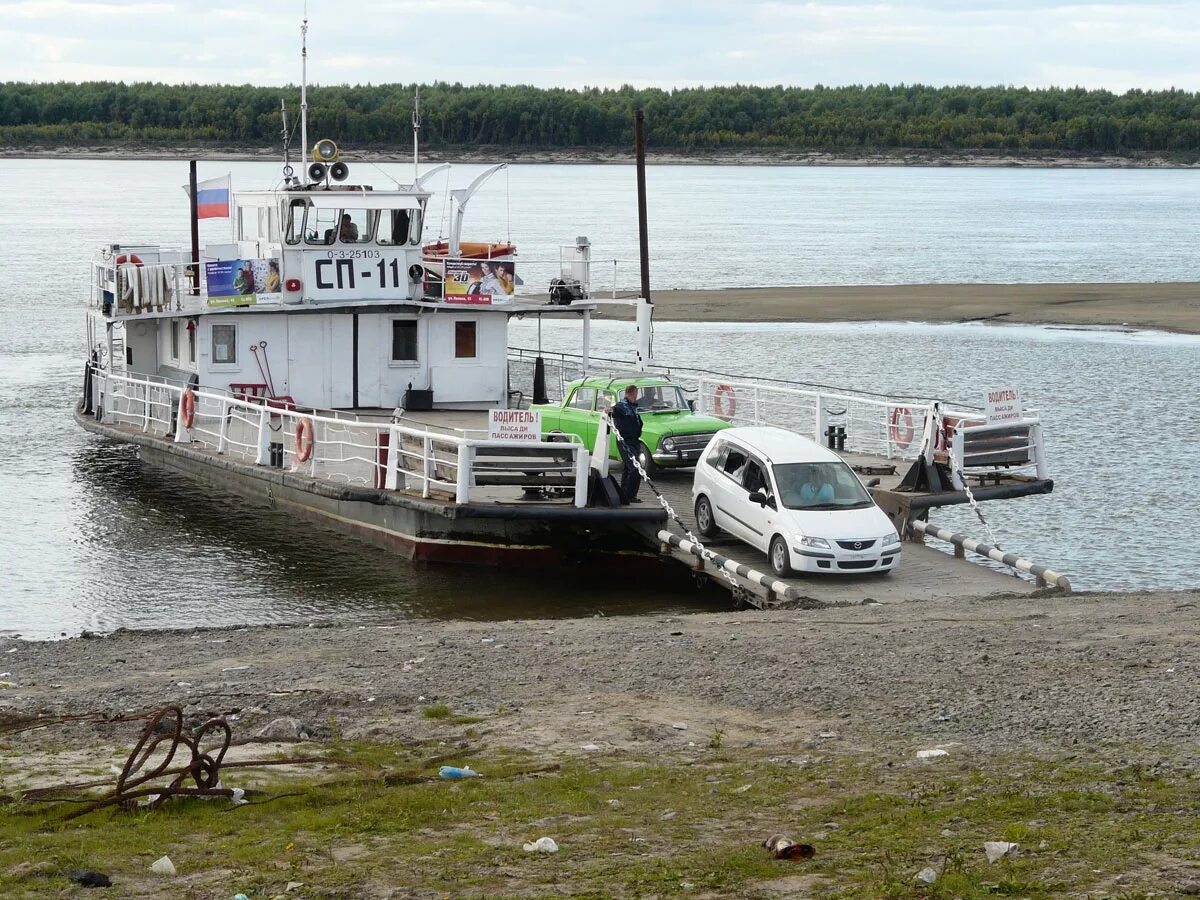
(826,485)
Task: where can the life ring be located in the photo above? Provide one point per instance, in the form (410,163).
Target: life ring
(304,439)
(724,402)
(131,258)
(187,407)
(901,427)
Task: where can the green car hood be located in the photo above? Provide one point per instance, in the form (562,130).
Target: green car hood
(664,423)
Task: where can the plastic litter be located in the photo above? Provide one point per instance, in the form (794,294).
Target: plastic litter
(542,845)
(454,772)
(590,748)
(240,897)
(927,875)
(163,866)
(931,754)
(239,796)
(998,850)
(783,847)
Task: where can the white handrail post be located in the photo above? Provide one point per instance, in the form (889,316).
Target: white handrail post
(183,434)
(391,480)
(1035,440)
(463,481)
(819,419)
(263,457)
(223,436)
(582,465)
(756,422)
(428,466)
(145,407)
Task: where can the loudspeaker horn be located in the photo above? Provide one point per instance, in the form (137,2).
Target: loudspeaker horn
(339,171)
(316,171)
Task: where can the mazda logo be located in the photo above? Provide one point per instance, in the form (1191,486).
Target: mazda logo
(858,545)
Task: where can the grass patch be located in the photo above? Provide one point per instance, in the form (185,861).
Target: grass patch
(437,711)
(632,827)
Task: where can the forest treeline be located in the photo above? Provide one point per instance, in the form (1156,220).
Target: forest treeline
(835,119)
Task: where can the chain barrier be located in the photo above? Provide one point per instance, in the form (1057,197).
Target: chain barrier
(705,553)
(971,498)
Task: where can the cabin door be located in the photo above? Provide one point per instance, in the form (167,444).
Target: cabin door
(320,360)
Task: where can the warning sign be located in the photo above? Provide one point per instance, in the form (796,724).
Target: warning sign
(514,425)
(1003,405)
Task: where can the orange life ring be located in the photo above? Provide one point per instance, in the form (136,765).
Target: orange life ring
(724,402)
(131,258)
(901,427)
(304,439)
(188,407)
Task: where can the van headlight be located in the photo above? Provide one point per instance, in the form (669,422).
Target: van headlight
(814,542)
(668,444)
(890,540)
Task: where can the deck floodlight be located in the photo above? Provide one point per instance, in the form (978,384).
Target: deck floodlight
(316,171)
(325,151)
(339,171)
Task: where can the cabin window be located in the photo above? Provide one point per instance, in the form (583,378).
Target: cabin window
(295,223)
(399,226)
(174,339)
(465,343)
(322,226)
(583,398)
(224,344)
(191,333)
(248,229)
(404,341)
(354,226)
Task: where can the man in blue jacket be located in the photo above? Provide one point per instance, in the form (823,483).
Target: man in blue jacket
(628,422)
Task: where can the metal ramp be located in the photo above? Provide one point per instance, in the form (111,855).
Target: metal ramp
(925,573)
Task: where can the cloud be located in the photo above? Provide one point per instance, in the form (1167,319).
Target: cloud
(1118,45)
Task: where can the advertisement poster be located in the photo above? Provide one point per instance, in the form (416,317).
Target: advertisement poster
(479,281)
(514,425)
(242,282)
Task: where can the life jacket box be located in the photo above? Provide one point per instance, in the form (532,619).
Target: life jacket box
(418,400)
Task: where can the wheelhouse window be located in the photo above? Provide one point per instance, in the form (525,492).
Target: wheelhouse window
(224,344)
(583,398)
(174,339)
(354,226)
(399,226)
(322,226)
(404,341)
(248,224)
(295,220)
(465,340)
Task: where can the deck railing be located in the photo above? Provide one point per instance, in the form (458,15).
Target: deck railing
(382,455)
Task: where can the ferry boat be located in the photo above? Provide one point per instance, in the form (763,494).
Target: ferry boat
(334,362)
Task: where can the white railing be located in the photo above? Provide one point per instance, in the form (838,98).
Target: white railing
(383,455)
(142,279)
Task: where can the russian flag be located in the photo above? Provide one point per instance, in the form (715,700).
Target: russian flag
(212,198)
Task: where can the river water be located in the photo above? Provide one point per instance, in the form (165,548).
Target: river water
(90,539)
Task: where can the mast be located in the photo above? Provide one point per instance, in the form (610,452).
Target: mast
(304,81)
(416,122)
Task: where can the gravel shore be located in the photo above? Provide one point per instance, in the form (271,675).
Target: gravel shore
(1037,673)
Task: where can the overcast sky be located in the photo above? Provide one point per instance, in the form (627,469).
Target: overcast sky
(572,43)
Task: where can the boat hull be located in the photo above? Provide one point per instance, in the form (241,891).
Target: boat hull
(527,535)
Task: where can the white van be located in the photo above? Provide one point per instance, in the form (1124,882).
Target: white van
(795,501)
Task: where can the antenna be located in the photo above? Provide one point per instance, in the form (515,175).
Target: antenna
(416,127)
(304,80)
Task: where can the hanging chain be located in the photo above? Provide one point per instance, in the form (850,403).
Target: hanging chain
(705,553)
(971,497)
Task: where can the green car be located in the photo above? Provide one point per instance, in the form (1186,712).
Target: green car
(673,435)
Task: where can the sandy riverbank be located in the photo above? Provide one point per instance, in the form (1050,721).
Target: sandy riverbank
(624,156)
(1162,306)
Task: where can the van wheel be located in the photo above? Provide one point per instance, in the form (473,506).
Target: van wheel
(705,523)
(780,564)
(647,461)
